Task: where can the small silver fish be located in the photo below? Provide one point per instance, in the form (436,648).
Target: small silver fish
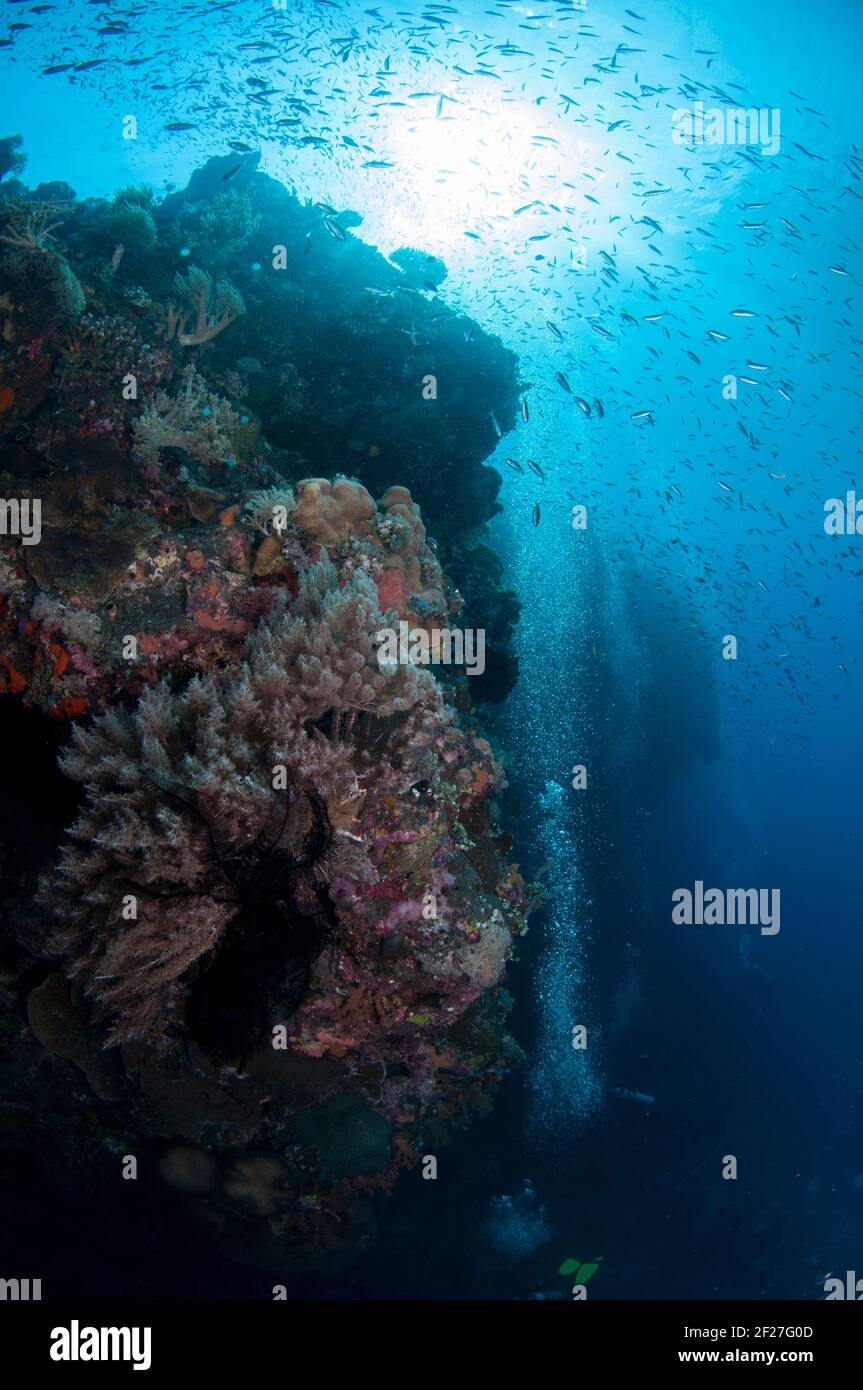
(535,515)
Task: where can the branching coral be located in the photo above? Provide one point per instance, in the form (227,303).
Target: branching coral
(29,238)
(195,420)
(30,227)
(214,307)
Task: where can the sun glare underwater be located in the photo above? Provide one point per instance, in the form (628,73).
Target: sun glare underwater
(429,603)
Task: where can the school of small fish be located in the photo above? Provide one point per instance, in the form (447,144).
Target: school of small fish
(686,312)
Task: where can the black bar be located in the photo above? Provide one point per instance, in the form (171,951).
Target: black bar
(254,1339)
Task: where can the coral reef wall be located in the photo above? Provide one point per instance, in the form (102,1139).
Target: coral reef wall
(272,945)
(161,361)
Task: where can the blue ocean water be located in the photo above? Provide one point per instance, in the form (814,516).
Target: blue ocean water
(699,299)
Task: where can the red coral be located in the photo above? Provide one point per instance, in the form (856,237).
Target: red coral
(72,707)
(393,590)
(16,683)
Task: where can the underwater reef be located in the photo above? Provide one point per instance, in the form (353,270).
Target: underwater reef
(269,950)
(160,362)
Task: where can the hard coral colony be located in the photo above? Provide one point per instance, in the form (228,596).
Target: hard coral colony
(282,906)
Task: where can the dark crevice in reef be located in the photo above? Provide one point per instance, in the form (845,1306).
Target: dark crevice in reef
(37,802)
